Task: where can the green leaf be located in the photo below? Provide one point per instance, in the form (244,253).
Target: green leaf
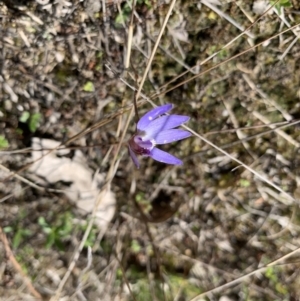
(3,142)
(41,221)
(59,244)
(24,117)
(66,226)
(281,4)
(124,15)
(7,229)
(271,274)
(135,246)
(120,19)
(147,2)
(50,240)
(19,237)
(34,122)
(89,87)
(244,183)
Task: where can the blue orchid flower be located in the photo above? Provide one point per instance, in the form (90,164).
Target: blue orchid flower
(155,128)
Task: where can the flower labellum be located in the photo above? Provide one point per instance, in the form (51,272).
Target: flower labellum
(155,128)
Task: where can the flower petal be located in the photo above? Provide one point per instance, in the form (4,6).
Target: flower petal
(164,123)
(150,116)
(164,157)
(134,157)
(169,136)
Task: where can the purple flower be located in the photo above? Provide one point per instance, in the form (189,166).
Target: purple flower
(154,129)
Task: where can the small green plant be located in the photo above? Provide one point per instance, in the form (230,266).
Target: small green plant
(24,117)
(143,203)
(61,230)
(178,285)
(272,274)
(135,246)
(57,232)
(3,142)
(124,15)
(88,87)
(17,229)
(33,120)
(20,235)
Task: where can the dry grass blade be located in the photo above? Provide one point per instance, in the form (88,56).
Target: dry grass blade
(254,172)
(129,39)
(280,132)
(26,181)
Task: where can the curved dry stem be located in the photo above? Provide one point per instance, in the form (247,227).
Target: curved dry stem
(254,172)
